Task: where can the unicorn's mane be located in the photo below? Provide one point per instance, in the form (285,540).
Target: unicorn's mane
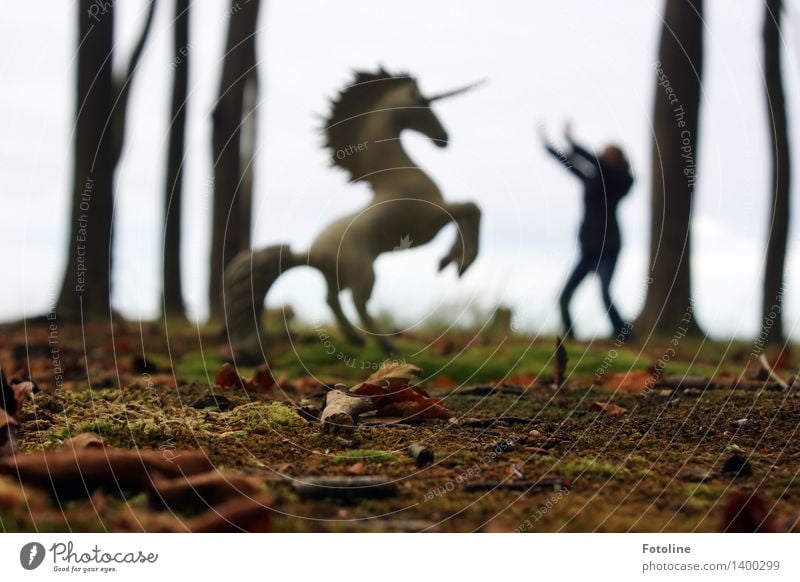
(342,126)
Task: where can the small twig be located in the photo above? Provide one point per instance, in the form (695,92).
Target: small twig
(772,373)
(560,363)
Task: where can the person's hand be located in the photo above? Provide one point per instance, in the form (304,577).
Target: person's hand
(568,131)
(541,131)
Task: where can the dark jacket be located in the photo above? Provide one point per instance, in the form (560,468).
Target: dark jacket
(604,185)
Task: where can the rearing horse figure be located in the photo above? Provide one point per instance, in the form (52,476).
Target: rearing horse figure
(407,210)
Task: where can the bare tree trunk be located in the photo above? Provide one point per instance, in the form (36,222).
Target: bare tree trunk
(86,287)
(173,295)
(248,153)
(228,231)
(772,330)
(668,308)
(100,121)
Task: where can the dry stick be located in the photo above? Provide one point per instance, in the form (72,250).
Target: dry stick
(772,373)
(340,415)
(560,363)
(421,454)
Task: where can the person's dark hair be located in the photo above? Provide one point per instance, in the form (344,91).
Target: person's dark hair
(613,154)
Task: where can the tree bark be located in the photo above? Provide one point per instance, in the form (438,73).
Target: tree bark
(229,233)
(772,330)
(86,287)
(100,120)
(173,295)
(668,309)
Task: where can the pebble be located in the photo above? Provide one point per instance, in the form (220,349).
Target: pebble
(737,466)
(740,423)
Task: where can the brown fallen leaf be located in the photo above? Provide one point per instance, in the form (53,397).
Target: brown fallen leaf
(74,473)
(393,394)
(84,440)
(253,515)
(607,408)
(560,360)
(634,382)
(747,513)
(201,490)
(262,379)
(13,496)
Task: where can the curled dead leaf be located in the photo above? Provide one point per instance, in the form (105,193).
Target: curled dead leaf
(201,490)
(74,473)
(84,440)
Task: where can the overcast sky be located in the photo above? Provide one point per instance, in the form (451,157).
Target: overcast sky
(587,61)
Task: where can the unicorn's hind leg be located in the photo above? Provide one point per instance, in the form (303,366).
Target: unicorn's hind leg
(345,326)
(362,290)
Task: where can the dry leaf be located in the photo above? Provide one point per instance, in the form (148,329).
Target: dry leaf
(73,473)
(237,515)
(393,395)
(84,440)
(607,408)
(201,490)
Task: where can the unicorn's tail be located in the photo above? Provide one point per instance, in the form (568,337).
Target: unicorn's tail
(246,282)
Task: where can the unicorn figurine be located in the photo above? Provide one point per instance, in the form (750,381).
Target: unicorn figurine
(407,210)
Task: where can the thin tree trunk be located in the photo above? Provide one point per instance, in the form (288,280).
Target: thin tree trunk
(248,152)
(173,295)
(668,309)
(86,287)
(228,232)
(772,330)
(102,104)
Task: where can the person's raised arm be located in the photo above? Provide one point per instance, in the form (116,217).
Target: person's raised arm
(566,160)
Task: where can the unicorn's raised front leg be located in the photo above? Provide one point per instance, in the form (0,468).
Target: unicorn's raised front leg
(345,326)
(362,290)
(464,251)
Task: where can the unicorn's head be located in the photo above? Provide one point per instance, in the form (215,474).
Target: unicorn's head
(379,106)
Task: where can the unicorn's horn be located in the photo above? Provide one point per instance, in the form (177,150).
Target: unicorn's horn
(458,91)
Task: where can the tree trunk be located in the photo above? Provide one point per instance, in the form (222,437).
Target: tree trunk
(668,309)
(86,287)
(228,231)
(100,119)
(173,295)
(772,330)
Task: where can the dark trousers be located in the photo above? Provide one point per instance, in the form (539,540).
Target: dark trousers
(604,266)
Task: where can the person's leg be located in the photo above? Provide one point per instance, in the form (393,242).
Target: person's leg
(582,268)
(605,270)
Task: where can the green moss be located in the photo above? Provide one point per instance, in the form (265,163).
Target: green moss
(365,455)
(262,415)
(590,467)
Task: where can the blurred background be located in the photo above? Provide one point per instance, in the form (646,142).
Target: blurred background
(591,63)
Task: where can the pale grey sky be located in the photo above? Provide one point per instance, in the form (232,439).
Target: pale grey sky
(587,61)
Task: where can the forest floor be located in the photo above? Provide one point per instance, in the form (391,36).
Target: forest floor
(659,437)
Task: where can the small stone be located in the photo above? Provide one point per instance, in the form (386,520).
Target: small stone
(737,466)
(740,423)
(535,434)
